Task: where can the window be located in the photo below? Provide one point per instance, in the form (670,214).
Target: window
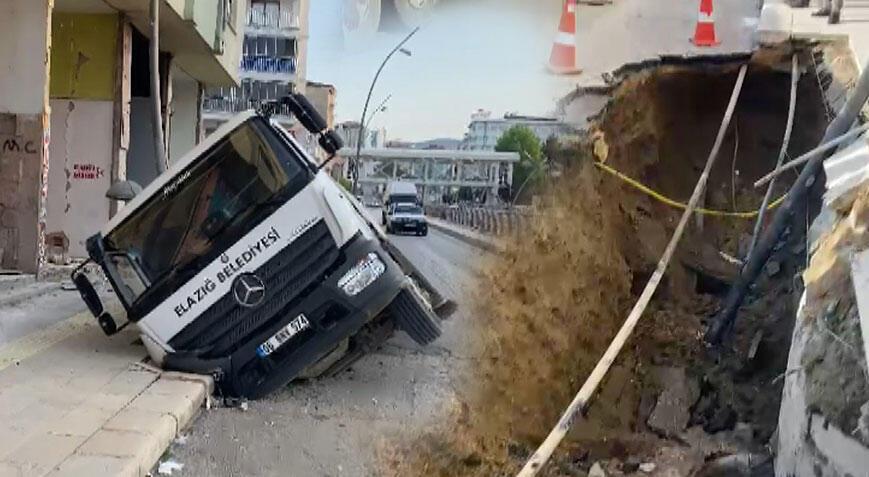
(229,12)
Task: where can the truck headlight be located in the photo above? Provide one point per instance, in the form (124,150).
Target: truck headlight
(362,274)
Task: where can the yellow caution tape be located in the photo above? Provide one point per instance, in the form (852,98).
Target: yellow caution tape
(679,205)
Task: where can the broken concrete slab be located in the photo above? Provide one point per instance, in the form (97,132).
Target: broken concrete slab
(596,470)
(775,24)
(860,279)
(673,408)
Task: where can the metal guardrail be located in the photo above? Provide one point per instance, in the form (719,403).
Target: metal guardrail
(281,20)
(495,221)
(268,64)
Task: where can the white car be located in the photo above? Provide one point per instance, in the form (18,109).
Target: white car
(406,218)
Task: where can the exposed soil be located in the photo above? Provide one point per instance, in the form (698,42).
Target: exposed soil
(551,304)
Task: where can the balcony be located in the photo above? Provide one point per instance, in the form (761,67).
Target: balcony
(225,108)
(272,21)
(268,68)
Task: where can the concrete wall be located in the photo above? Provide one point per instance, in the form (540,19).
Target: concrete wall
(24,32)
(84,56)
(79,174)
(24,134)
(82,89)
(183,126)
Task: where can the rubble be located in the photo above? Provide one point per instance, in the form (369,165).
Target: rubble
(596,471)
(673,408)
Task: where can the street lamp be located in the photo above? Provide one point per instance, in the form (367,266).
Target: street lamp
(379,109)
(404,51)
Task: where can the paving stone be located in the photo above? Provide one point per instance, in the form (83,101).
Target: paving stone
(207,381)
(140,448)
(109,401)
(147,422)
(95,465)
(41,453)
(182,406)
(130,383)
(9,470)
(175,387)
(83,421)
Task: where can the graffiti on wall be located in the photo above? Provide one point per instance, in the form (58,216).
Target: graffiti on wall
(87,171)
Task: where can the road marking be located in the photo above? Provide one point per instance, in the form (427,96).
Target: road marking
(36,342)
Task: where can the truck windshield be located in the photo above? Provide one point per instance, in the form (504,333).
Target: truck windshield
(202,211)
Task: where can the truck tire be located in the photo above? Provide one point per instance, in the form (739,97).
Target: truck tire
(415,318)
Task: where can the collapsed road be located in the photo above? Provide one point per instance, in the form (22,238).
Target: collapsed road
(336,425)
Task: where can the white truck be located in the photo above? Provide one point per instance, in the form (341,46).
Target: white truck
(247,262)
(398,192)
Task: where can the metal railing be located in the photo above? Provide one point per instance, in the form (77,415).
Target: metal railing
(268,64)
(280,20)
(237,105)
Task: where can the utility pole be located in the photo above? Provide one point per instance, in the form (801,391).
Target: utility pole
(368,100)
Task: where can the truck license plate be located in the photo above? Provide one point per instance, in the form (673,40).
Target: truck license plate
(283,335)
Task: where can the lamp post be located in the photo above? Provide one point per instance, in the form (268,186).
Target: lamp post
(398,48)
(378,109)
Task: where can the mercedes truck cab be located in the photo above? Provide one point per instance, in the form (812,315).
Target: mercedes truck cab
(247,262)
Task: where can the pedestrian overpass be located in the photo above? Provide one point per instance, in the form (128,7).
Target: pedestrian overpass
(437,173)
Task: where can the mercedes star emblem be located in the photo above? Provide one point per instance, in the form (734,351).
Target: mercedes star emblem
(249,290)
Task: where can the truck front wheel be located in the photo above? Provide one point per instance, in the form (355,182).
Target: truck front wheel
(415,318)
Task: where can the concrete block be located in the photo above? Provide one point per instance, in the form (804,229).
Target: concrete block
(147,422)
(143,449)
(175,387)
(83,421)
(775,24)
(95,465)
(207,381)
(41,453)
(672,411)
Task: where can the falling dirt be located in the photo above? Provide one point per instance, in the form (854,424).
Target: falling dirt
(550,304)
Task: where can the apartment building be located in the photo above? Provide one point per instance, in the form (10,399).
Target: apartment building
(484,130)
(273,63)
(75,109)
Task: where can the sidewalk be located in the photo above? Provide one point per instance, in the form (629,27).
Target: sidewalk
(637,31)
(74,402)
(477,239)
(854,25)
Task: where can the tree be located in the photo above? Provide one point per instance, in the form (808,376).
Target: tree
(529,170)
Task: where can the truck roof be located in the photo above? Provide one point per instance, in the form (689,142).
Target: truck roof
(400,187)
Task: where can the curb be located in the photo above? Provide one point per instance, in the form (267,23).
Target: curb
(487,245)
(14,296)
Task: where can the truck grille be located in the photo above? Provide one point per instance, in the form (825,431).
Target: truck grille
(287,276)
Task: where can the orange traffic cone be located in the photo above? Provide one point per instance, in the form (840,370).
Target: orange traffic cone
(704,33)
(562,60)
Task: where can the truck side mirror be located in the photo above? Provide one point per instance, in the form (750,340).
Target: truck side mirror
(88,293)
(331,142)
(306,113)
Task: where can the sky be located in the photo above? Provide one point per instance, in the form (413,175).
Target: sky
(469,54)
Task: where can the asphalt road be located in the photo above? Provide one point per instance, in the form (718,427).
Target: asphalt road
(333,426)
